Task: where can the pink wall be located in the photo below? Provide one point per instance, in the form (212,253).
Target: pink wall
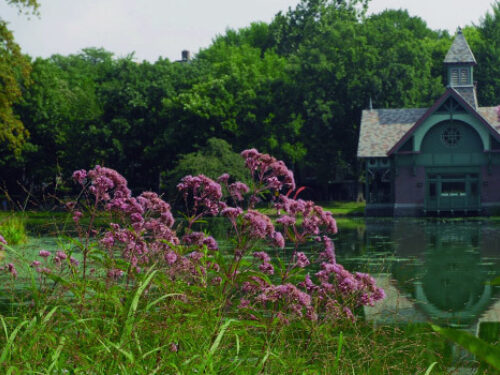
(407,185)
(490,188)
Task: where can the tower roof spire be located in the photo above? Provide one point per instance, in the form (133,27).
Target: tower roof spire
(460,51)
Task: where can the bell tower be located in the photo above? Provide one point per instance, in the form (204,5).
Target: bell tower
(460,64)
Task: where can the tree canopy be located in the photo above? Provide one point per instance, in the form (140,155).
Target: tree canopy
(294,87)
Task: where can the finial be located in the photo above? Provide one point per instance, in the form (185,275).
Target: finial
(371,104)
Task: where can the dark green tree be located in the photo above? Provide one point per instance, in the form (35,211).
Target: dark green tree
(14,73)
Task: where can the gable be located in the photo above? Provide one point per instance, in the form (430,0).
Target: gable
(449,106)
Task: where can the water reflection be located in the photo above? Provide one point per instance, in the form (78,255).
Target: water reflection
(437,270)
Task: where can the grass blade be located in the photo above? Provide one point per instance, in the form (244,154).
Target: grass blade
(430,368)
(484,351)
(339,350)
(127,328)
(10,339)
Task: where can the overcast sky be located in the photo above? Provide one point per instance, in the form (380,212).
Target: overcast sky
(154,28)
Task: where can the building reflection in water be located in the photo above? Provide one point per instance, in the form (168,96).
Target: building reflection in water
(442,272)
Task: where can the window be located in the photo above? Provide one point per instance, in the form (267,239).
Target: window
(454,76)
(453,189)
(450,136)
(464,76)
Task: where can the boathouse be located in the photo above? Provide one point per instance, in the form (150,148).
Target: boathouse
(437,160)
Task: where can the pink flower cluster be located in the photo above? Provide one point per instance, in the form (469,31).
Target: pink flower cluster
(272,173)
(60,260)
(260,226)
(205,192)
(339,285)
(146,234)
(11,269)
(314,218)
(2,242)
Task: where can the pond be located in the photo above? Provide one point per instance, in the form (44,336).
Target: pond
(431,269)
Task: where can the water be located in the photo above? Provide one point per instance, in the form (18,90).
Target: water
(436,270)
(431,269)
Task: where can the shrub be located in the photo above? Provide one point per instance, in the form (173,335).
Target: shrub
(13,230)
(250,282)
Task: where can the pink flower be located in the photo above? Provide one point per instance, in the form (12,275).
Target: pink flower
(115,273)
(267,268)
(223,178)
(271,172)
(302,260)
(2,242)
(106,183)
(286,220)
(76,216)
(79,176)
(199,239)
(44,253)
(237,190)
(278,240)
(262,255)
(205,193)
(170,257)
(61,255)
(260,225)
(244,303)
(74,261)
(232,212)
(12,270)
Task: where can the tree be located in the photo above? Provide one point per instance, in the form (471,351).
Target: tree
(486,48)
(216,158)
(14,73)
(237,98)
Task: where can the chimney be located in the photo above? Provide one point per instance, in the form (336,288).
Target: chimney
(186,55)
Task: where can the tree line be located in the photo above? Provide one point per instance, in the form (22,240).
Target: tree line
(294,87)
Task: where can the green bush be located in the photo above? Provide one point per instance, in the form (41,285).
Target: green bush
(13,229)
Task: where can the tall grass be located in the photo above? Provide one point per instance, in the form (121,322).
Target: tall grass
(159,326)
(13,229)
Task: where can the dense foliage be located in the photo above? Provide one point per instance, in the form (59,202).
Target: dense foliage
(294,87)
(14,73)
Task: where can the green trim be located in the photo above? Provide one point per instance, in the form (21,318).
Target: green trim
(436,118)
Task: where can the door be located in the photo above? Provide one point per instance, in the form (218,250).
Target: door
(452,192)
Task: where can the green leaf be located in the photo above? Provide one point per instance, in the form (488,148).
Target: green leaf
(127,328)
(495,281)
(484,351)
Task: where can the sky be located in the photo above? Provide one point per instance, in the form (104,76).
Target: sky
(154,28)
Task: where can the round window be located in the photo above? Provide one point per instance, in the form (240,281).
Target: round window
(451,136)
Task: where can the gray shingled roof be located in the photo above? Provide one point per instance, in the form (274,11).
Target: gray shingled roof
(469,95)
(381,129)
(490,114)
(459,51)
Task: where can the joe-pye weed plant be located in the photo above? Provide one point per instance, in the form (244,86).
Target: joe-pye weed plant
(149,294)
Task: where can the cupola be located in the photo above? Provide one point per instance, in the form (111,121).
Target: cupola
(460,68)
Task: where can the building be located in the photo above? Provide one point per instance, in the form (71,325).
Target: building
(442,159)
